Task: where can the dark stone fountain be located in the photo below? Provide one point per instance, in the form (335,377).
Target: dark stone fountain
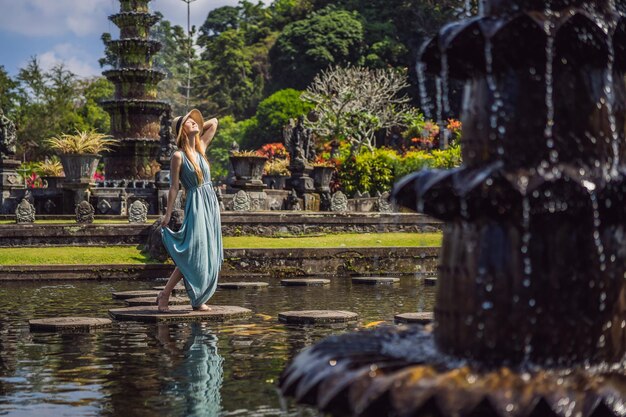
(135,111)
(530,316)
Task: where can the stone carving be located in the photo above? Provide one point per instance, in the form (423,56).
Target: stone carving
(382,204)
(8,136)
(25,212)
(84,212)
(138,212)
(49,206)
(299,142)
(242,201)
(104,206)
(123,202)
(220,198)
(339,202)
(154,244)
(293,202)
(325,201)
(167,140)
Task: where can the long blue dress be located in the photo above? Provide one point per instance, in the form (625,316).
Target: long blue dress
(197,247)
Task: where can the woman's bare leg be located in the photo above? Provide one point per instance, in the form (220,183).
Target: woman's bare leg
(163,298)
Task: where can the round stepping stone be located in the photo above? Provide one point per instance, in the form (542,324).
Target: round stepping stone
(304,282)
(375,280)
(317,316)
(430,281)
(125,295)
(151,301)
(68,323)
(176,288)
(179,314)
(240,285)
(419,318)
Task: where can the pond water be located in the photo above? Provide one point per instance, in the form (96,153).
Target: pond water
(186,369)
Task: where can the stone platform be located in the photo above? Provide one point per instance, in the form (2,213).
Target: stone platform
(179,314)
(317,316)
(124,295)
(78,324)
(151,301)
(304,282)
(375,280)
(417,318)
(242,285)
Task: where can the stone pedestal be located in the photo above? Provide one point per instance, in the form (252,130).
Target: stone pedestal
(11,186)
(74,193)
(301,181)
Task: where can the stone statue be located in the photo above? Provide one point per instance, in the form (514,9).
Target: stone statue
(8,136)
(167,140)
(84,212)
(25,212)
(299,142)
(138,212)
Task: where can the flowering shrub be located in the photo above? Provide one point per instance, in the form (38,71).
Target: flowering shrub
(454,128)
(273,151)
(33,181)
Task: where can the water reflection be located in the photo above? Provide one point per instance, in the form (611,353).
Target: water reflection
(185,369)
(196,370)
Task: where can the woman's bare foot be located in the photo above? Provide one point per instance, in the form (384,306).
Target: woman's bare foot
(202,307)
(162,301)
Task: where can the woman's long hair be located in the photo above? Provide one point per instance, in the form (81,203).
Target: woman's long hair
(183,144)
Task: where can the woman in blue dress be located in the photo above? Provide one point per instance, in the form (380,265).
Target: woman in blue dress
(197,247)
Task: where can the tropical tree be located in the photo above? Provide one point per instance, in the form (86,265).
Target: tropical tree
(354,103)
(306,47)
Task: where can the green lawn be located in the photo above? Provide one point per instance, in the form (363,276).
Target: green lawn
(133,255)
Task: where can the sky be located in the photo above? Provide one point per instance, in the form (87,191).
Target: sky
(69,31)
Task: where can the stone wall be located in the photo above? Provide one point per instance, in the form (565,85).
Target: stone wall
(233,224)
(252,264)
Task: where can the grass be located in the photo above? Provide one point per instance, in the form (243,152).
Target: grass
(132,255)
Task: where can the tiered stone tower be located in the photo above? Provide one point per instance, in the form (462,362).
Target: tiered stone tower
(135,111)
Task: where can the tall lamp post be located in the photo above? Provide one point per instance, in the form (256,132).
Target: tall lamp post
(188,52)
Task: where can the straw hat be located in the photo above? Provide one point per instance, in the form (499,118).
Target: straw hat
(178,122)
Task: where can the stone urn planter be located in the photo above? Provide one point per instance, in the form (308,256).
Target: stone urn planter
(79,168)
(275,182)
(248,170)
(51,181)
(322,175)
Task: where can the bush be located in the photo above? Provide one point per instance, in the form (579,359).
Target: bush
(274,113)
(377,171)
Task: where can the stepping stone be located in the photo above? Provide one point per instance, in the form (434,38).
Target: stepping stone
(305,282)
(151,301)
(179,314)
(124,295)
(240,285)
(375,280)
(317,316)
(68,323)
(430,281)
(419,318)
(178,287)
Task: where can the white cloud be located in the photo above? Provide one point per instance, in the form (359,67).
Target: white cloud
(176,10)
(35,18)
(76,61)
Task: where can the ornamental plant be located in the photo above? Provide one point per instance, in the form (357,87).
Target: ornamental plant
(82,142)
(50,167)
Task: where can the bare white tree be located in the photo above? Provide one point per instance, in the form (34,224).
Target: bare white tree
(354,103)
